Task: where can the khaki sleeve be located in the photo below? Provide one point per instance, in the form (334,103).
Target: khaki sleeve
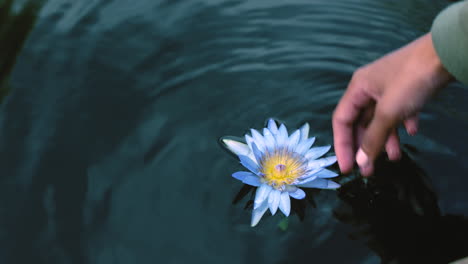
(450,37)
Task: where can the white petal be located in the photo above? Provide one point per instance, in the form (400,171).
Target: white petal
(269,140)
(258,139)
(240,175)
(258,213)
(320,163)
(305,145)
(297,194)
(321,184)
(272,126)
(236,147)
(282,136)
(285,203)
(273,201)
(294,139)
(305,131)
(253,180)
(249,164)
(262,194)
(326,174)
(317,152)
(249,140)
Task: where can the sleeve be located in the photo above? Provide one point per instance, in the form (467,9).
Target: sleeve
(450,38)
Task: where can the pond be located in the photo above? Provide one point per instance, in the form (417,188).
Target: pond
(109,136)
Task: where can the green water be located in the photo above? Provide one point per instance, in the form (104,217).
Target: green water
(109,136)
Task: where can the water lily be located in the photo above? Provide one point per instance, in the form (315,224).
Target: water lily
(279,165)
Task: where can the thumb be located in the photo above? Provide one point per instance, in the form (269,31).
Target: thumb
(375,137)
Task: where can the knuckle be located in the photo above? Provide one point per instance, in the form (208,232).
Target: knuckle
(335,116)
(359,79)
(338,118)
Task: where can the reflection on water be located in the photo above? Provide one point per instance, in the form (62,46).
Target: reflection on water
(14,28)
(108,149)
(397,215)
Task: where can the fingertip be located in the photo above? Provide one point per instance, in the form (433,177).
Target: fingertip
(367,171)
(365,164)
(411,125)
(344,151)
(394,154)
(412,131)
(344,156)
(392,147)
(362,159)
(345,166)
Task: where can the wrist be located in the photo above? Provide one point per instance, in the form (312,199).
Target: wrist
(439,73)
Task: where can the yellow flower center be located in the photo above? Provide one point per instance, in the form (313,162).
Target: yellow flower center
(281,167)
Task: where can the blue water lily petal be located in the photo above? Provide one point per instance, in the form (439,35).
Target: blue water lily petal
(297,194)
(249,140)
(305,145)
(269,140)
(320,163)
(258,139)
(294,140)
(272,126)
(282,136)
(326,174)
(279,164)
(240,175)
(317,152)
(252,179)
(285,203)
(257,153)
(321,184)
(262,194)
(236,147)
(304,131)
(274,200)
(249,164)
(258,212)
(312,174)
(306,179)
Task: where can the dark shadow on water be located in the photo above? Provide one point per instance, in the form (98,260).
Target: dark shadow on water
(14,29)
(397,215)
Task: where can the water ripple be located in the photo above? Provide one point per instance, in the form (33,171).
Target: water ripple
(128,99)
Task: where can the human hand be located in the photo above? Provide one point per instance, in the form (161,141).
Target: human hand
(382,95)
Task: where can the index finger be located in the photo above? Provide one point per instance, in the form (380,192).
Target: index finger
(345,117)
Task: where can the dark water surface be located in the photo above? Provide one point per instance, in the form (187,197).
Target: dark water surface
(108,140)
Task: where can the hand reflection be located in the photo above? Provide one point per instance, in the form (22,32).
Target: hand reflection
(399,217)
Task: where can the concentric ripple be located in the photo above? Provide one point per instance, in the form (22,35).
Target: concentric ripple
(108,140)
